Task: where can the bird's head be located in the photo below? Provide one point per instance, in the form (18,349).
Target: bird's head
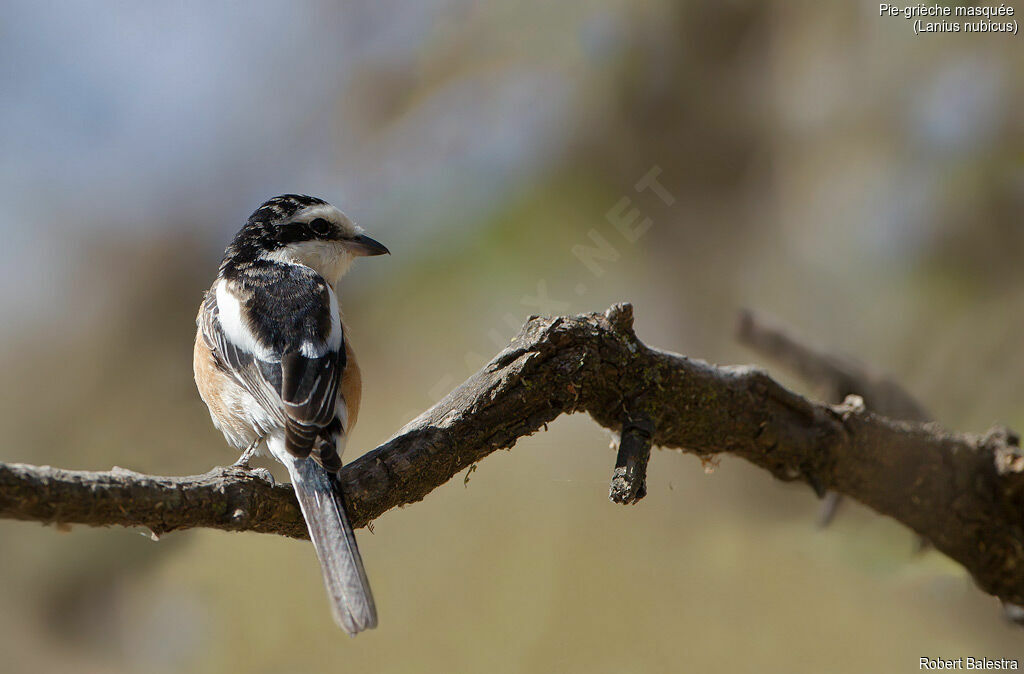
(304,230)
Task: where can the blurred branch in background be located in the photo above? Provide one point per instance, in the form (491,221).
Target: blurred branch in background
(962,492)
(834,377)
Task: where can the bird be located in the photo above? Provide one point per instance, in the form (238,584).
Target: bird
(274,365)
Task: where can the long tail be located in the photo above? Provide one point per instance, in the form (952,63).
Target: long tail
(335,543)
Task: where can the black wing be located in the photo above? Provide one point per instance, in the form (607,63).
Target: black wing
(276,330)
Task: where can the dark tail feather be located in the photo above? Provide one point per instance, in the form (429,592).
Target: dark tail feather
(335,543)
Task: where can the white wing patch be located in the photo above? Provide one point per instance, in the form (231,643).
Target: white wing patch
(234,325)
(332,341)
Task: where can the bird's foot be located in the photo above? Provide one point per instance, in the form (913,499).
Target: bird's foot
(250,451)
(243,464)
(263,474)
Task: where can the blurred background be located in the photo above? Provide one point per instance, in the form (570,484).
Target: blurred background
(824,165)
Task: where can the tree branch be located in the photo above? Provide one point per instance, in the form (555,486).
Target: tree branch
(629,481)
(963,492)
(834,378)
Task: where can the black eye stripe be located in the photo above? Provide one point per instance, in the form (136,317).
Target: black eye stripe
(320,226)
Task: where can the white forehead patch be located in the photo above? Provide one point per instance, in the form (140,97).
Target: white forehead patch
(330,214)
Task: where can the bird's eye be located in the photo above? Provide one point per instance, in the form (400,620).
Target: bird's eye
(320,226)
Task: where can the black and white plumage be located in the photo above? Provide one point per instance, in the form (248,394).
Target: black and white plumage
(273,364)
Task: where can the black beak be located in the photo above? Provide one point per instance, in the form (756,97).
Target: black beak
(364,245)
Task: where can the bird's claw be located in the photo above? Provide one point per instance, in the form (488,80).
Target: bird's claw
(263,474)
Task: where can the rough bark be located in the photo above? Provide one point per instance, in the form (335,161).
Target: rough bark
(834,378)
(964,493)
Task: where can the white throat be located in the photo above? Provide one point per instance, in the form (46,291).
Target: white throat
(330,259)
